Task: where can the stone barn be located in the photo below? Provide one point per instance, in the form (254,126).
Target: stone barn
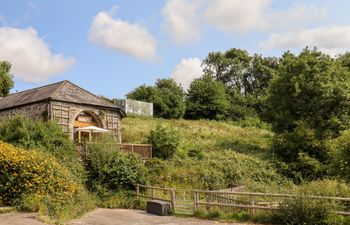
(69,105)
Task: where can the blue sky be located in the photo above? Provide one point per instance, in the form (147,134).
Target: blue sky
(110,47)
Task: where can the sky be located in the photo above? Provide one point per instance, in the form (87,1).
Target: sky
(110,47)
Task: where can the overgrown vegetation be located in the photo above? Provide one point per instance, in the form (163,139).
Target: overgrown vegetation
(36,181)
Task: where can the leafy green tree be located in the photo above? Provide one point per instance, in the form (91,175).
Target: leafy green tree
(228,67)
(166,95)
(143,93)
(309,103)
(247,79)
(6,80)
(207,98)
(248,75)
(169,99)
(314,88)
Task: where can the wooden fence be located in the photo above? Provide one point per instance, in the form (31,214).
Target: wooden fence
(193,200)
(145,150)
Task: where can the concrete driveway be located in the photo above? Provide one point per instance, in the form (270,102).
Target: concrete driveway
(109,217)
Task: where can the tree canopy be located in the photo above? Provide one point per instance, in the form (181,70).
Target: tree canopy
(166,95)
(311,87)
(6,80)
(207,98)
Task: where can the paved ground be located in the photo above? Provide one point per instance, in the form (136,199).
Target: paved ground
(19,219)
(109,217)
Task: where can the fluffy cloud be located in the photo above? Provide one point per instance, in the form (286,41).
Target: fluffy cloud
(30,56)
(238,16)
(186,71)
(122,36)
(181,19)
(332,40)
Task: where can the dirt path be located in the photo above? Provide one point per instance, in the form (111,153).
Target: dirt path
(110,217)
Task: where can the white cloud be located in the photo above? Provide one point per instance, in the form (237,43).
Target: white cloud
(122,36)
(181,19)
(30,56)
(332,40)
(186,71)
(238,16)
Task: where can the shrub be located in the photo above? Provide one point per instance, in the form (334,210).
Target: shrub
(23,172)
(300,210)
(340,155)
(165,142)
(112,169)
(47,136)
(35,181)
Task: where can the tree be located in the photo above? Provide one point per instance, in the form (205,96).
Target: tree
(247,79)
(311,87)
(143,93)
(308,105)
(6,80)
(169,99)
(166,95)
(207,98)
(228,67)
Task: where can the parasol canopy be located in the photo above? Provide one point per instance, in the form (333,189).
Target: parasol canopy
(92,129)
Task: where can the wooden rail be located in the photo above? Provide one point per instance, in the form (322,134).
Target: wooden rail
(234,200)
(145,150)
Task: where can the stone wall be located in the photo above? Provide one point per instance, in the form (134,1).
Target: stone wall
(107,119)
(65,113)
(33,111)
(136,107)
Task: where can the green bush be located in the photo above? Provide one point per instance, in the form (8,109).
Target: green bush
(340,155)
(35,181)
(23,172)
(111,169)
(300,210)
(47,136)
(303,152)
(164,141)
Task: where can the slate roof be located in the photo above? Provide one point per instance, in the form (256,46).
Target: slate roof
(64,91)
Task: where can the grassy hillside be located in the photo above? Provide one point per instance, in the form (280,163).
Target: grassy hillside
(231,155)
(203,134)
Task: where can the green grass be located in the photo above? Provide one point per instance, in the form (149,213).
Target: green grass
(231,154)
(203,134)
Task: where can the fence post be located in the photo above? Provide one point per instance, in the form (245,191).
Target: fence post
(138,191)
(153,193)
(173,199)
(195,199)
(252,203)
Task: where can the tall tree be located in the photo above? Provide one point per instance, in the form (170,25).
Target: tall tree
(169,99)
(142,93)
(166,95)
(6,80)
(207,99)
(314,88)
(247,79)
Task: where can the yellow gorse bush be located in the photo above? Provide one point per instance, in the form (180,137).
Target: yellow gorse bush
(25,172)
